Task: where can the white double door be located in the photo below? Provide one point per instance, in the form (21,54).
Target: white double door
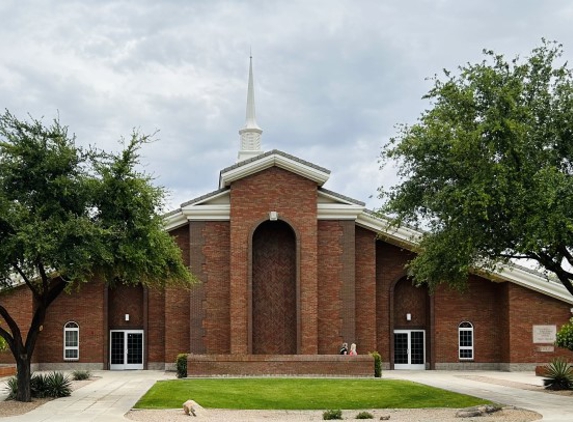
(409,349)
(125,349)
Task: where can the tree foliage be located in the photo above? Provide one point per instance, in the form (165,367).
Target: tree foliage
(69,216)
(564,336)
(487,170)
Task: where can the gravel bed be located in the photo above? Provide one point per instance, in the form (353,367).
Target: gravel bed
(398,415)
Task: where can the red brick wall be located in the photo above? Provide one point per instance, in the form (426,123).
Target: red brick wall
(365,290)
(124,300)
(155,335)
(294,198)
(205,365)
(330,267)
(480,305)
(528,308)
(409,299)
(214,273)
(18,302)
(177,305)
(390,262)
(199,265)
(86,308)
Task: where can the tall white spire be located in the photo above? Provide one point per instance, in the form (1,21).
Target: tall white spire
(251,132)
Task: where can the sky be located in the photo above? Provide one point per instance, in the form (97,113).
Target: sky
(332,78)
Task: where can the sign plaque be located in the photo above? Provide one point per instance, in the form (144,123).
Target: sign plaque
(544,334)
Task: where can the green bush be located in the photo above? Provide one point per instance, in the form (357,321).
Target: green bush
(38,386)
(181,364)
(558,375)
(565,336)
(52,385)
(11,387)
(365,415)
(377,364)
(330,415)
(57,385)
(81,374)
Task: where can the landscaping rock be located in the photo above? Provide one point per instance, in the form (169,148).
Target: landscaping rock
(192,408)
(385,418)
(472,412)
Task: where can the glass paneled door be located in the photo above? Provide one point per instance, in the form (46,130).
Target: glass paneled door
(125,349)
(409,349)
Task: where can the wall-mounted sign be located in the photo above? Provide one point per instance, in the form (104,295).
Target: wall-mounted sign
(544,333)
(545,349)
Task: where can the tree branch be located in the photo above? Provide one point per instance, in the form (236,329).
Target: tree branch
(27,281)
(16,333)
(563,276)
(40,312)
(563,250)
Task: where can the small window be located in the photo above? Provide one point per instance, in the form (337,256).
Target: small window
(466,340)
(71,341)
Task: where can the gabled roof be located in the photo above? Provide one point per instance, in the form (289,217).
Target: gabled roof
(269,159)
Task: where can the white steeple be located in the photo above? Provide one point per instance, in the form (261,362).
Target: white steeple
(251,132)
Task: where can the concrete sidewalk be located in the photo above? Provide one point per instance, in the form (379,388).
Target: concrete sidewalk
(509,388)
(106,399)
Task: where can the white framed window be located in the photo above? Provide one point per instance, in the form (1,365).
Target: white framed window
(71,341)
(466,340)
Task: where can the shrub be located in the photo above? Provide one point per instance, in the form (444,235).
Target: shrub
(38,386)
(565,336)
(558,375)
(57,385)
(181,364)
(330,415)
(52,385)
(11,387)
(365,415)
(81,374)
(377,364)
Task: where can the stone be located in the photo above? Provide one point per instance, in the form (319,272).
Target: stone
(470,412)
(385,418)
(192,408)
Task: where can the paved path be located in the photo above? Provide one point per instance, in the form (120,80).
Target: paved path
(114,394)
(105,400)
(486,384)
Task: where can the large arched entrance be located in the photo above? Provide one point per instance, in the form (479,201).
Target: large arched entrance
(411,322)
(274,305)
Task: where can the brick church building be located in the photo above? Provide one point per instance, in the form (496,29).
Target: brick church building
(289,270)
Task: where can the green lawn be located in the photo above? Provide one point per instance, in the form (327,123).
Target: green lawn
(300,393)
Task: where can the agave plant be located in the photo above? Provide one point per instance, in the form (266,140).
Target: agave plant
(558,375)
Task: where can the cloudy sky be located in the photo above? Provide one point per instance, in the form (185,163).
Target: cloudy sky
(332,77)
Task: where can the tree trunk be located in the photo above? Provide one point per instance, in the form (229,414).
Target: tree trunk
(24,377)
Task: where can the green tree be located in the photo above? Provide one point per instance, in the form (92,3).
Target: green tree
(487,170)
(69,216)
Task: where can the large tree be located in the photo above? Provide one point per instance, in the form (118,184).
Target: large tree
(69,216)
(487,170)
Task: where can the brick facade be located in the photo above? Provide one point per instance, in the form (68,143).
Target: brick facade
(288,291)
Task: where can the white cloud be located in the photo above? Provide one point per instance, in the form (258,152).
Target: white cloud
(332,77)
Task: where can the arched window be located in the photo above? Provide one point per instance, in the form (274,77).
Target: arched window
(466,340)
(71,341)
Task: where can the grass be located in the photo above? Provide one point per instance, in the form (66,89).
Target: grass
(301,394)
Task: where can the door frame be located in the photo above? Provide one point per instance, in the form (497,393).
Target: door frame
(410,365)
(125,365)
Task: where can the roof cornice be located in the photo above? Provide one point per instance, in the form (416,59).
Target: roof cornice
(269,159)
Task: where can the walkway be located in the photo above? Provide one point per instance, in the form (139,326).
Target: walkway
(105,400)
(510,388)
